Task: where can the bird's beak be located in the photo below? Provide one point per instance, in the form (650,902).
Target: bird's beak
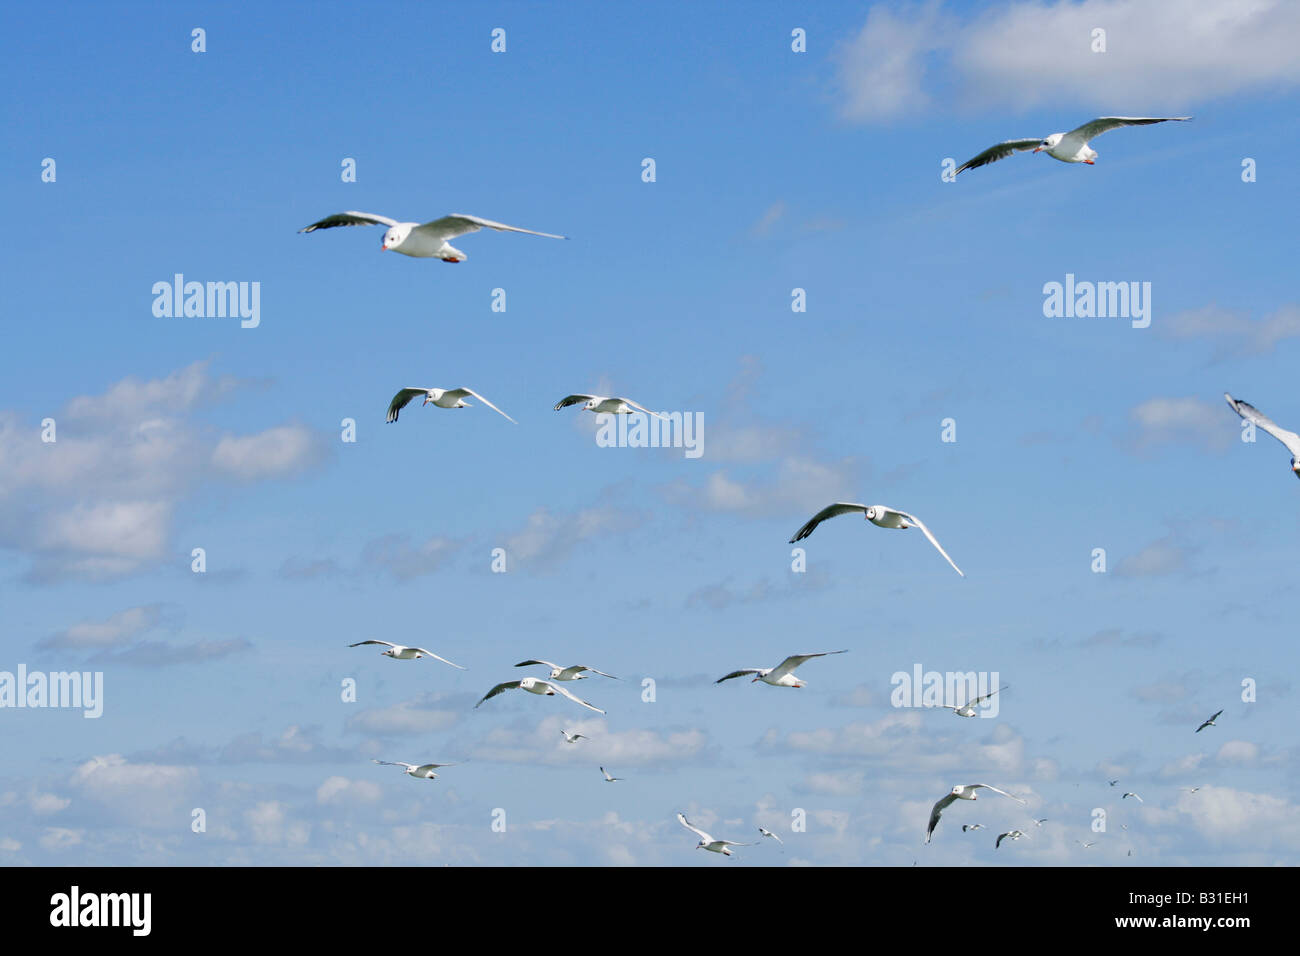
(1038,149)
(384,248)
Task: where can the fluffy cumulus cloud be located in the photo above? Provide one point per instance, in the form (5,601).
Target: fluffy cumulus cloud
(1164,54)
(139,794)
(100,500)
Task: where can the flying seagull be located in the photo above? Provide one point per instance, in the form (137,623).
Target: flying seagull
(602,405)
(968,709)
(424,771)
(399,653)
(960,792)
(1086,845)
(1134,796)
(608,778)
(1113,782)
(1209,723)
(535,685)
(1071,147)
(1009,835)
(782,675)
(573,672)
(971,826)
(1190,789)
(442,397)
(1039,823)
(1260,420)
(878,515)
(422,241)
(573,738)
(768,833)
(707,842)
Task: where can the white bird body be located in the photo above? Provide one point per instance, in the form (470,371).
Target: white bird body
(782,675)
(573,738)
(768,833)
(441,397)
(572,672)
(1287,437)
(603,405)
(1071,147)
(422,240)
(960,792)
(879,515)
(535,685)
(706,841)
(424,771)
(399,652)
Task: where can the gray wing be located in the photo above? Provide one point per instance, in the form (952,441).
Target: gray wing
(577,700)
(740,673)
(973,786)
(432,766)
(1000,151)
(935,813)
(1260,420)
(830,511)
(463,392)
(385,643)
(681,818)
(425,650)
(459,224)
(934,541)
(794,660)
(349,219)
(531,663)
(639,408)
(572,400)
(1100,125)
(499,689)
(394,763)
(401,400)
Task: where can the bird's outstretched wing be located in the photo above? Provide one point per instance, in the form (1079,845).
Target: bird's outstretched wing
(401,400)
(1095,128)
(426,767)
(426,651)
(768,833)
(572,400)
(681,818)
(349,219)
(533,663)
(394,763)
(935,812)
(460,224)
(385,643)
(830,511)
(933,540)
(973,786)
(1000,151)
(1260,420)
(463,392)
(499,689)
(794,660)
(569,694)
(639,408)
(740,673)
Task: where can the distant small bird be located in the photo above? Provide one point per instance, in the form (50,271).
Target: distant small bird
(573,672)
(422,240)
(968,709)
(573,738)
(424,771)
(960,792)
(971,826)
(603,405)
(768,833)
(782,675)
(400,653)
(1113,782)
(1190,789)
(1071,147)
(878,515)
(707,842)
(1085,845)
(441,397)
(1260,420)
(1039,823)
(1009,835)
(1209,723)
(608,778)
(1134,796)
(535,685)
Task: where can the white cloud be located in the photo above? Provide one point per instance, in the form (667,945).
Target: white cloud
(116,630)
(273,453)
(149,795)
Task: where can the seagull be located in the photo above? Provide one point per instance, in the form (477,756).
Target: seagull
(878,515)
(424,771)
(768,833)
(782,675)
(1209,723)
(608,778)
(1134,796)
(573,672)
(1039,823)
(573,738)
(602,405)
(1071,147)
(707,842)
(960,792)
(442,397)
(422,241)
(1189,789)
(968,709)
(971,826)
(535,685)
(1113,782)
(1009,835)
(1086,845)
(1288,438)
(399,653)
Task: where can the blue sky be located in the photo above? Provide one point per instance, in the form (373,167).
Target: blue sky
(775,171)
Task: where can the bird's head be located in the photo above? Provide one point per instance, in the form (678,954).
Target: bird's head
(871,513)
(590,406)
(1295,466)
(1049,142)
(387,653)
(394,237)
